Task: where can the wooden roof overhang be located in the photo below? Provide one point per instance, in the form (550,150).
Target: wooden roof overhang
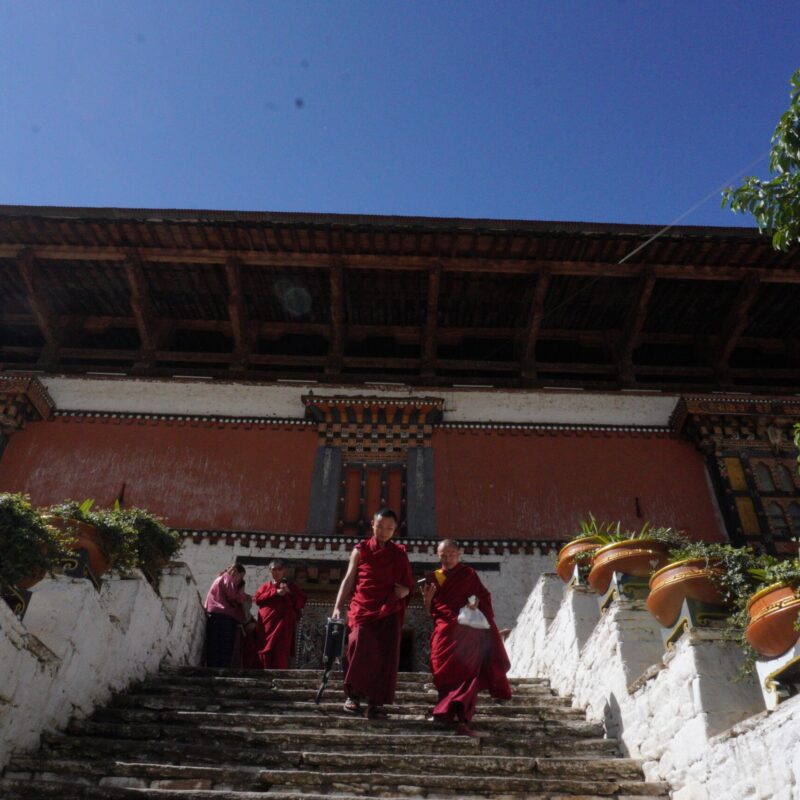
(414,300)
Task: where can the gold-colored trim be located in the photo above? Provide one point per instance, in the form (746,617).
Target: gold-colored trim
(639,543)
(787,602)
(766,590)
(679,629)
(586,539)
(684,576)
(770,681)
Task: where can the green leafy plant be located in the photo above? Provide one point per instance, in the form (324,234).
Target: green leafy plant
(775,203)
(155,542)
(117,537)
(29,546)
(594,529)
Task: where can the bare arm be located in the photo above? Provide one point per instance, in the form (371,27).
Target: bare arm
(347,585)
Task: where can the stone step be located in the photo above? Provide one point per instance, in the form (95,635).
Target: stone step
(263,694)
(243,776)
(197,751)
(268,723)
(313,675)
(43,790)
(458,785)
(150,703)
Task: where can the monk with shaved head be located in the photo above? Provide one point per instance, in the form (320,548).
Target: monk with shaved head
(464,660)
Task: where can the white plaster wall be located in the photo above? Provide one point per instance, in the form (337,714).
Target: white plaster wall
(682,712)
(282,400)
(77,646)
(510,586)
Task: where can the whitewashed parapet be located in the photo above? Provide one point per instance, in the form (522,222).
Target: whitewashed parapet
(77,646)
(683,712)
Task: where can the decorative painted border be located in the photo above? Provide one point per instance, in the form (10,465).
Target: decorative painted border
(289,541)
(651,430)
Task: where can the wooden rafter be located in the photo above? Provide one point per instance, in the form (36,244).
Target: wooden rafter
(336,349)
(43,312)
(142,309)
(236,313)
(449,263)
(631,333)
(428,367)
(734,324)
(533,327)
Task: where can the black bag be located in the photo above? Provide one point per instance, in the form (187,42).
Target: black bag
(332,652)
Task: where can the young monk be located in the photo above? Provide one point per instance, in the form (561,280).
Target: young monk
(279,605)
(464,660)
(379,578)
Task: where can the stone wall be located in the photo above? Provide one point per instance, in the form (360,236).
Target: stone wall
(681,710)
(76,646)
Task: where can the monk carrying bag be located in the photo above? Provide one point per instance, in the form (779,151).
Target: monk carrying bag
(472,617)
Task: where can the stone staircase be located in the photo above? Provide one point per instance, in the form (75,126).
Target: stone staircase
(195,733)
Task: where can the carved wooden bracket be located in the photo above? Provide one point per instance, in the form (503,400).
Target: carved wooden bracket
(22,399)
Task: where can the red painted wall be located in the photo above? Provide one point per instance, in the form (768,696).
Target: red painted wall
(196,475)
(532,486)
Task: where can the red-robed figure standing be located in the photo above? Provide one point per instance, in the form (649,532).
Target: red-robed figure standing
(279,604)
(379,578)
(464,660)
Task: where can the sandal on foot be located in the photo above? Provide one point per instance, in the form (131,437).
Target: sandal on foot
(464,730)
(351,706)
(376,712)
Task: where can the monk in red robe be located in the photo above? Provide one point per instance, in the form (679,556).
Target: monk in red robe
(379,578)
(279,605)
(464,660)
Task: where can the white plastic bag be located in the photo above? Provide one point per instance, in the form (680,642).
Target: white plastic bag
(472,617)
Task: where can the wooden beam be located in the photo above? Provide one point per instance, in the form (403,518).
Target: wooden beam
(290,260)
(634,323)
(533,327)
(733,326)
(236,314)
(337,332)
(428,368)
(142,309)
(38,299)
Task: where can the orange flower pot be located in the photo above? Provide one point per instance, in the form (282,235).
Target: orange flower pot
(636,557)
(690,579)
(84,537)
(773,613)
(565,565)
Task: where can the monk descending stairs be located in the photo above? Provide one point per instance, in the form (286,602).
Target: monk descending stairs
(197,733)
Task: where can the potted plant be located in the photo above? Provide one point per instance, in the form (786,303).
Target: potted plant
(638,554)
(105,535)
(155,543)
(30,547)
(591,535)
(708,572)
(773,611)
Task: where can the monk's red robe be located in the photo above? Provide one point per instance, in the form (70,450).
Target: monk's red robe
(277,623)
(464,660)
(375,622)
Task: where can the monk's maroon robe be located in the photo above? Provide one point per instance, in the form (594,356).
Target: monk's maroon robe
(464,660)
(375,622)
(277,623)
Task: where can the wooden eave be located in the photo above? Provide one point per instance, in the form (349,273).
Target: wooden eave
(414,300)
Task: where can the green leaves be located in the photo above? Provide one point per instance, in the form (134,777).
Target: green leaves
(775,204)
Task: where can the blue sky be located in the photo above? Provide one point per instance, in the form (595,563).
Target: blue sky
(610,111)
